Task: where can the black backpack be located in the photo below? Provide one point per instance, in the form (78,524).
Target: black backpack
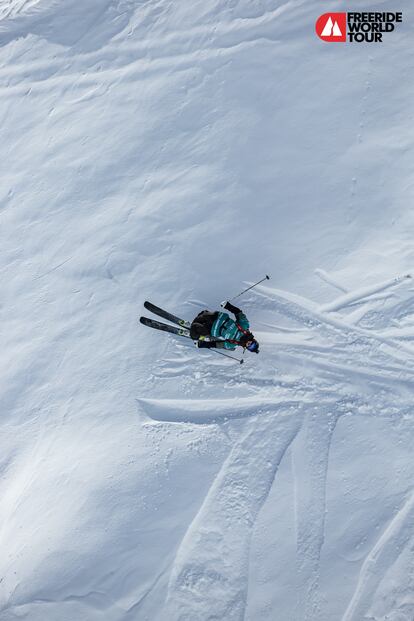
(202,324)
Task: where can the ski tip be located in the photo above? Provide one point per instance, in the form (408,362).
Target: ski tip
(267,277)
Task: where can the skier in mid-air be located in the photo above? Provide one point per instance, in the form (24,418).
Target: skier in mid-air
(218,330)
(209,329)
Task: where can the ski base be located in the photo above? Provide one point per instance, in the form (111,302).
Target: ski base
(158,325)
(166,315)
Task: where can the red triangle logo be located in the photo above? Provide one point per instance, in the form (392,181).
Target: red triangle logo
(331,27)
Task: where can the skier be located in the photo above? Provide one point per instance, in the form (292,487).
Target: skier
(219,325)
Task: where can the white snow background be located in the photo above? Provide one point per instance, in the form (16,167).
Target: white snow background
(177,152)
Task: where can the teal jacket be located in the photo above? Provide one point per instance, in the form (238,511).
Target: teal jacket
(226,328)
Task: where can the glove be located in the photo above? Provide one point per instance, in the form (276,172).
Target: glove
(206,344)
(233,309)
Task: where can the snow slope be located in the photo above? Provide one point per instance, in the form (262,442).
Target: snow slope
(172,152)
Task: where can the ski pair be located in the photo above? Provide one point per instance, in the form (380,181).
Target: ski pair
(181,329)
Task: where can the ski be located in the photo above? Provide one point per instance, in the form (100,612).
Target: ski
(180,331)
(158,325)
(166,315)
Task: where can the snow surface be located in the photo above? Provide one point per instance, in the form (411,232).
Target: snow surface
(174,151)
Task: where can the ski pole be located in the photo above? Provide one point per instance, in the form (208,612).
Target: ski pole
(248,288)
(228,356)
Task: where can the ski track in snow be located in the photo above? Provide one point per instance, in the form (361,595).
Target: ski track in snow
(11,8)
(386,552)
(347,369)
(211,566)
(310,479)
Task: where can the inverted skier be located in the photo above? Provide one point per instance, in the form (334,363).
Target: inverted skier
(229,332)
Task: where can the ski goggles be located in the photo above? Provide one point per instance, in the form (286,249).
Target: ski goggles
(253,346)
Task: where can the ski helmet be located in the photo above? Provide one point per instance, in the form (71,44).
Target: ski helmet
(253,346)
